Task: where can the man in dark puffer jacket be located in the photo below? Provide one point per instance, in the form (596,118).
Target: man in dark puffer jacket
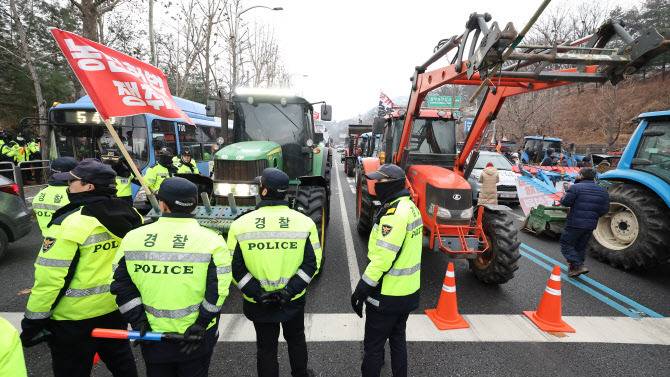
(587,202)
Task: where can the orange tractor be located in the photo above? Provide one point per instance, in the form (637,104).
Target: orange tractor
(423,141)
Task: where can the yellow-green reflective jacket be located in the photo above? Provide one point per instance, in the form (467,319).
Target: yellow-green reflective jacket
(181,270)
(183,168)
(394,250)
(124,186)
(47,201)
(12,363)
(274,247)
(79,249)
(155,175)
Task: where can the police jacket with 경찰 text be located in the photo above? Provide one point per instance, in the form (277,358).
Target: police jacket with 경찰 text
(274,247)
(48,201)
(73,267)
(173,272)
(394,250)
(587,202)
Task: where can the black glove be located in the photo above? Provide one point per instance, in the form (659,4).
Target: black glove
(34,331)
(362,291)
(268,298)
(193,337)
(284,296)
(143,327)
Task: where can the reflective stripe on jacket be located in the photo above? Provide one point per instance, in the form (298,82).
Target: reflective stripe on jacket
(175,271)
(394,250)
(75,264)
(155,175)
(46,202)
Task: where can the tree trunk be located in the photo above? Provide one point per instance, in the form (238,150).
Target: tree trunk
(41,104)
(152,42)
(89,13)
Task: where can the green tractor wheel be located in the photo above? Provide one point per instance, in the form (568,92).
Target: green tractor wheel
(498,263)
(313,202)
(634,234)
(364,208)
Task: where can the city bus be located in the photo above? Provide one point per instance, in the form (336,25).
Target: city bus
(76,130)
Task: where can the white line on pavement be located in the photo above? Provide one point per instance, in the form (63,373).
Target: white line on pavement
(340,327)
(354,272)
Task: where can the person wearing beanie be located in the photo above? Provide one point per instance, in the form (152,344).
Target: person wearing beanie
(185,164)
(588,202)
(71,294)
(276,254)
(173,276)
(488,189)
(390,284)
(54,196)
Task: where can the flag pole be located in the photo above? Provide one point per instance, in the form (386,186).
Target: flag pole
(133,167)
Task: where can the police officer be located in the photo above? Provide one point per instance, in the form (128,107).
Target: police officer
(12,363)
(390,284)
(156,174)
(54,196)
(276,255)
(124,177)
(185,164)
(71,294)
(173,276)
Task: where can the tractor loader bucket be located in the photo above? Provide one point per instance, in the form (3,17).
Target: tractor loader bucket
(546,220)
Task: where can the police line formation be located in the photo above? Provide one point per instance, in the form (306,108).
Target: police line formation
(100,267)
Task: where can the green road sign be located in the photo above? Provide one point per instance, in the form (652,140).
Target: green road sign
(448,102)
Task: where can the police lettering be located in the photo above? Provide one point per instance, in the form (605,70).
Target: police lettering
(105,246)
(273,245)
(156,269)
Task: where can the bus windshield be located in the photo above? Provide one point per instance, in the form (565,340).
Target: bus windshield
(82,134)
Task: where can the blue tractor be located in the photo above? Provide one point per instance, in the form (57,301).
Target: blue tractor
(538,148)
(635,234)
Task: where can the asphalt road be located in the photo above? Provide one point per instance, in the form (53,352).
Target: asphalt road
(642,293)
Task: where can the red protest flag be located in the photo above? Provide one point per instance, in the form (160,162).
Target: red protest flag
(119,85)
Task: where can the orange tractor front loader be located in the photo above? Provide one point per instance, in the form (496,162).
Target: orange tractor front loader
(424,143)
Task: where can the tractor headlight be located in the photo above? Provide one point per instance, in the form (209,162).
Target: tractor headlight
(238,189)
(466,213)
(442,213)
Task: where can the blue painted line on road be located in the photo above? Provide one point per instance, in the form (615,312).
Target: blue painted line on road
(633,304)
(585,288)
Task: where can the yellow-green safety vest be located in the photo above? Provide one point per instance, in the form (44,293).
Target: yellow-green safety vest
(124,186)
(167,262)
(394,250)
(81,243)
(47,201)
(12,363)
(272,240)
(155,175)
(182,168)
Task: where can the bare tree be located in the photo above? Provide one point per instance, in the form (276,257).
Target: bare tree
(263,56)
(213,13)
(28,59)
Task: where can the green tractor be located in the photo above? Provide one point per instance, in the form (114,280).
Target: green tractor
(270,129)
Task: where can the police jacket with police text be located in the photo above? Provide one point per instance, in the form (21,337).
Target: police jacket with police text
(173,272)
(274,247)
(394,250)
(73,267)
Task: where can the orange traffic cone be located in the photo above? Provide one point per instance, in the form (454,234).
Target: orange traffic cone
(445,316)
(548,314)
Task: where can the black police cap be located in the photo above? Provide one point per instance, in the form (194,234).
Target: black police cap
(89,170)
(178,192)
(274,179)
(63,164)
(388,171)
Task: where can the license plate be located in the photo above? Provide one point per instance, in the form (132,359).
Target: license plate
(507,194)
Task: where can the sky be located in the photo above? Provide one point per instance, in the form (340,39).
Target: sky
(346,51)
